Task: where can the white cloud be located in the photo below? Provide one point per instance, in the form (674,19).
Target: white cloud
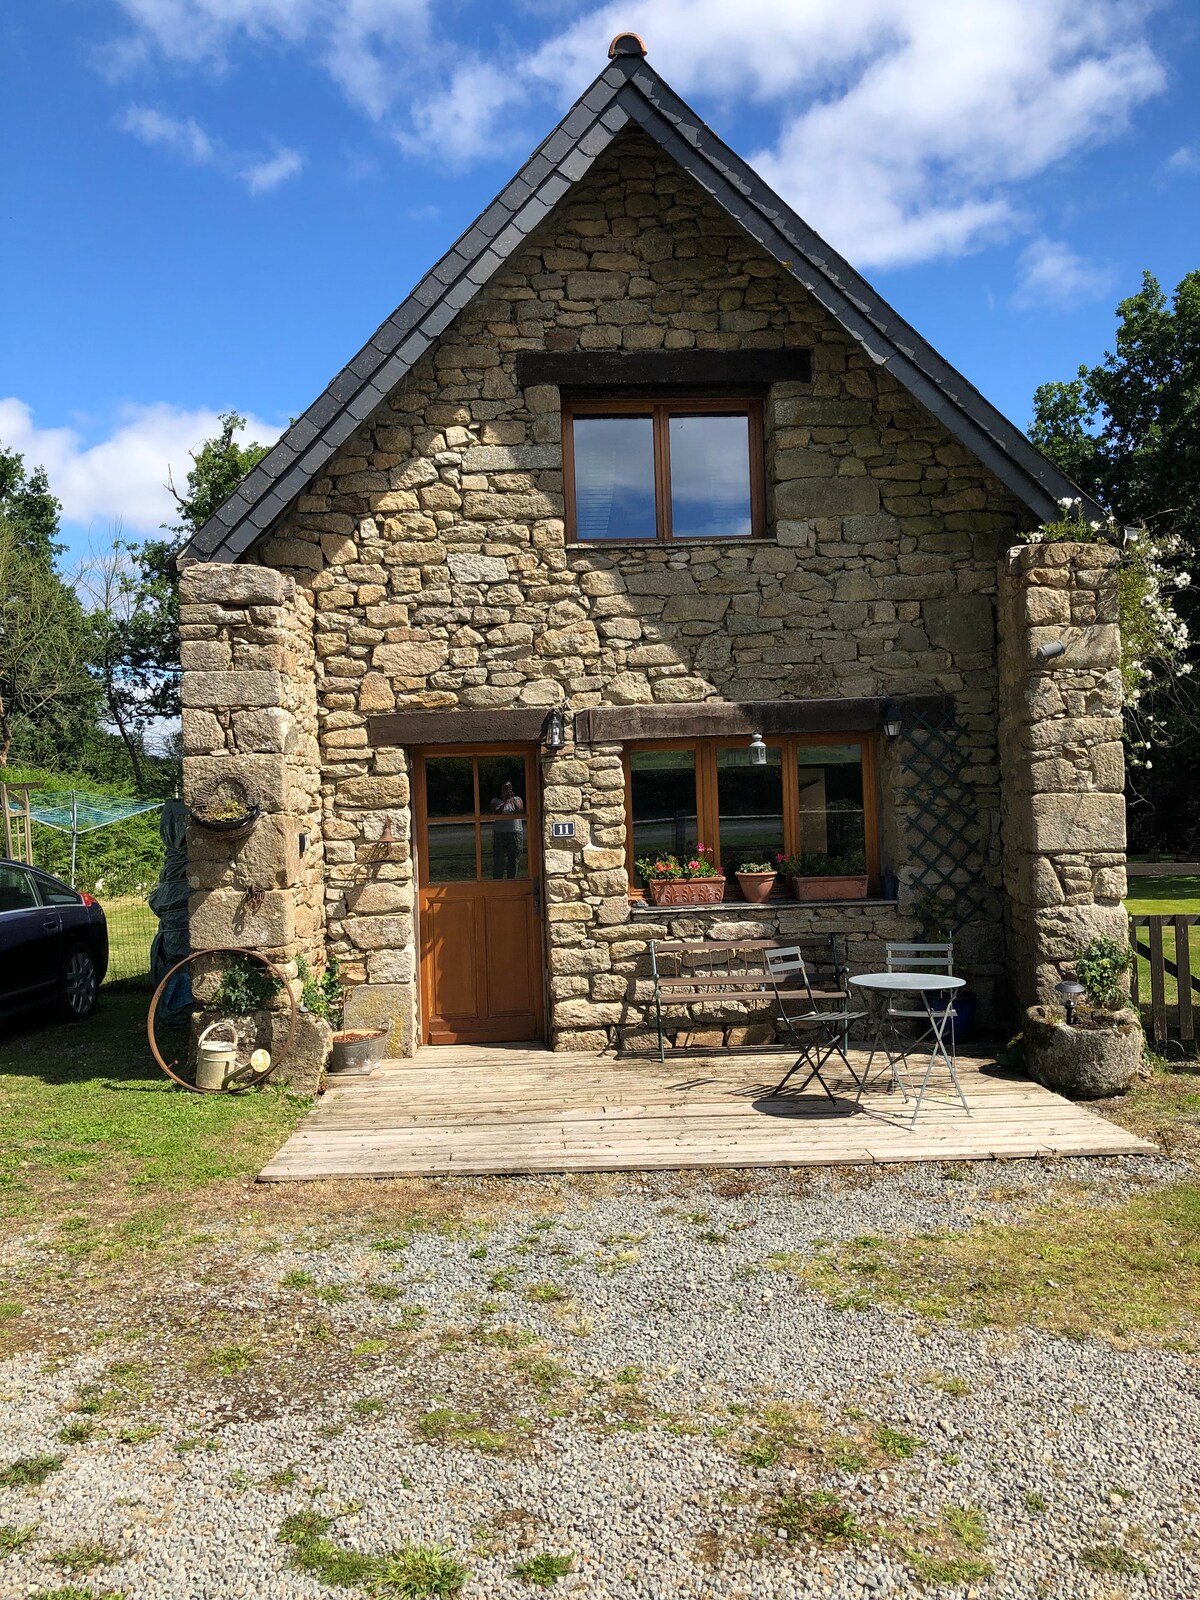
(260,176)
(1050,273)
(1185,159)
(121,478)
(185,138)
(188,140)
(902,130)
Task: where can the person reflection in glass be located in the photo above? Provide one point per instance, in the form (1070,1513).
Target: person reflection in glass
(507,831)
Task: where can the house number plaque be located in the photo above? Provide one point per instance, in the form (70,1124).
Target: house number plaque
(562,830)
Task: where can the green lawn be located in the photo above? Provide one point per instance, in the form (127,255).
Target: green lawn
(86,1117)
(131,929)
(1162,897)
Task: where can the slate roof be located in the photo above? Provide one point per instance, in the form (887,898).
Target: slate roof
(628,93)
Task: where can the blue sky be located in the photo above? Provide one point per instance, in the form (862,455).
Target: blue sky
(213,203)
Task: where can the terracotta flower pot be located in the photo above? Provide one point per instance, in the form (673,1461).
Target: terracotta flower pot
(686,891)
(1090,1059)
(852,887)
(756,886)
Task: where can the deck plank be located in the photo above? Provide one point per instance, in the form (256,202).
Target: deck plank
(517,1109)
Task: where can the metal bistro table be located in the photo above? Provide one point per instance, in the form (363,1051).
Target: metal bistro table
(925,985)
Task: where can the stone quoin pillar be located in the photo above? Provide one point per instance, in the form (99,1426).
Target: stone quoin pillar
(1062,760)
(250,728)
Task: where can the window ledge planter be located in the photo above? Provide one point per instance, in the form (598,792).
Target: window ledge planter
(1093,1058)
(851,887)
(756,886)
(686,891)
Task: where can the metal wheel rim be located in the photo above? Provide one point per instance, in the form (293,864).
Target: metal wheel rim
(81,982)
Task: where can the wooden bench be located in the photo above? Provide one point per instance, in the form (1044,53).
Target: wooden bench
(716,973)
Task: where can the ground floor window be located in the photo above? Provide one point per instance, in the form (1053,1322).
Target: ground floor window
(814,796)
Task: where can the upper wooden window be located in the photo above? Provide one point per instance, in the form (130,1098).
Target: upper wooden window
(663,469)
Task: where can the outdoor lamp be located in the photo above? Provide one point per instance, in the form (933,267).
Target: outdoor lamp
(556,730)
(891,719)
(1070,991)
(1048,652)
(758,751)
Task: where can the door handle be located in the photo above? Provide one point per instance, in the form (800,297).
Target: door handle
(537,896)
(51,926)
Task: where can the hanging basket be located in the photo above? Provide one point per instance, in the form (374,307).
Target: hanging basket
(230,826)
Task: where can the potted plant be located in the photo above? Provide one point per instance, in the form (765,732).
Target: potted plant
(686,880)
(353,1051)
(755,879)
(818,876)
(1093,1049)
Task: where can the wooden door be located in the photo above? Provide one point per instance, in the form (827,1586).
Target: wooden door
(479,894)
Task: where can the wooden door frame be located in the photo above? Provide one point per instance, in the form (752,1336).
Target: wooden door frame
(529,751)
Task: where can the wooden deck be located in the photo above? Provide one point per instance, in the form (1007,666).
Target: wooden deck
(514,1108)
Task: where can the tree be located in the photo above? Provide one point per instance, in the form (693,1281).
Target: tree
(1128,431)
(134,595)
(47,697)
(29,508)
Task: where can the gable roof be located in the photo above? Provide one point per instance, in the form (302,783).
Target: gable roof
(627,94)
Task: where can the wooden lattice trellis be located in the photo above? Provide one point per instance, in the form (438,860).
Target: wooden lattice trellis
(942,819)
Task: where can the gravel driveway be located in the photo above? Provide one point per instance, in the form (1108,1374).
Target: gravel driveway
(614,1374)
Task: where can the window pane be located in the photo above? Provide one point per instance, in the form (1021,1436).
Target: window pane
(449,787)
(16,890)
(663,791)
(451,852)
(502,784)
(614,478)
(831,799)
(505,848)
(710,477)
(750,807)
(54,894)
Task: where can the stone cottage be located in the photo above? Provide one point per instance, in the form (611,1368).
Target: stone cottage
(641,470)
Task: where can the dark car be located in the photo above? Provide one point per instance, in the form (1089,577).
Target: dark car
(53,943)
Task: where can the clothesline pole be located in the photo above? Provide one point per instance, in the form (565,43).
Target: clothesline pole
(74,831)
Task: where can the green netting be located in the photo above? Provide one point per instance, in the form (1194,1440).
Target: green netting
(80,810)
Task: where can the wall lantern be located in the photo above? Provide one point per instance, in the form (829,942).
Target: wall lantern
(1049,651)
(1070,992)
(891,719)
(758,751)
(555,730)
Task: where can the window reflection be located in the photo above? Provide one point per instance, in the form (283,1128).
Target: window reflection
(750,807)
(663,800)
(710,477)
(449,786)
(831,799)
(614,478)
(451,852)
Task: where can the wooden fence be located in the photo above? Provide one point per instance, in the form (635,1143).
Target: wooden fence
(1163,987)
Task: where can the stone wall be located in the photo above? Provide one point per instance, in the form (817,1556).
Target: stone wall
(433,549)
(249,729)
(1063,811)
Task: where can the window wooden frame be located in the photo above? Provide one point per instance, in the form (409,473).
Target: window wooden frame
(708,821)
(660,411)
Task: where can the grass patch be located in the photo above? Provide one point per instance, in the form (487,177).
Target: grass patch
(14,1539)
(1113,1559)
(77,1432)
(73,1591)
(29,1472)
(446,1426)
(86,1107)
(412,1572)
(544,1570)
(936,1570)
(895,1444)
(85,1557)
(1129,1273)
(817,1517)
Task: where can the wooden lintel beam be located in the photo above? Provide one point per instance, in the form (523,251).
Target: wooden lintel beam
(717,719)
(667,369)
(522,726)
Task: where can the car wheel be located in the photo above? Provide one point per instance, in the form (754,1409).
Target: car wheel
(79,987)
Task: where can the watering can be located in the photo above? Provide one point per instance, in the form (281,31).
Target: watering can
(215,1059)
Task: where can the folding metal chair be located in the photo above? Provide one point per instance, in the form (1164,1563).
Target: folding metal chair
(903,957)
(820,1033)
